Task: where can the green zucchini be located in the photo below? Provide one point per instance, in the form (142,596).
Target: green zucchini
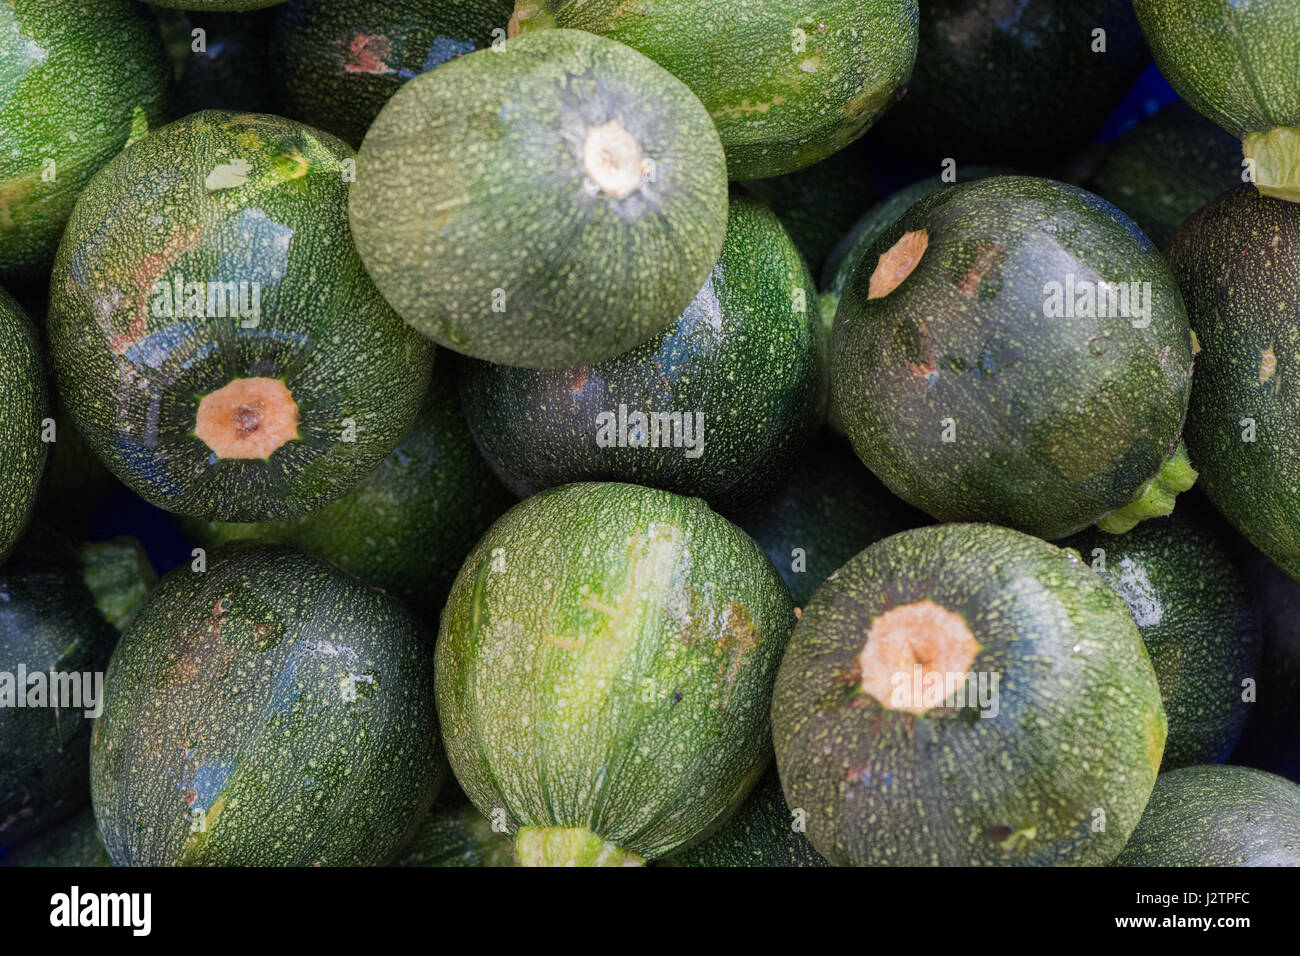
(218,6)
(1237,261)
(967,695)
(1196,615)
(604,672)
(408,526)
(23,449)
(75,842)
(1014,350)
(1236,61)
(788,82)
(456,834)
(719,405)
(336,63)
(518,214)
(1216,815)
(77,79)
(214,334)
(270,710)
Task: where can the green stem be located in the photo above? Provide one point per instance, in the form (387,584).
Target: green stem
(1275,158)
(119,577)
(530,15)
(1156,499)
(568,846)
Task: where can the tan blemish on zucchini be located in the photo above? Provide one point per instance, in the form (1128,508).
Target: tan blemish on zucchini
(612,159)
(919,635)
(1196,344)
(1267,364)
(897,263)
(745,106)
(247,418)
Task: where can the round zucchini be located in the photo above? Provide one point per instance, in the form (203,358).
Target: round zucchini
(604,672)
(1014,350)
(220,60)
(764,832)
(214,334)
(1215,815)
(719,405)
(1021,82)
(270,710)
(518,214)
(1000,709)
(408,526)
(1197,618)
(217,6)
(829,510)
(1238,263)
(337,62)
(22,411)
(75,842)
(79,78)
(1237,63)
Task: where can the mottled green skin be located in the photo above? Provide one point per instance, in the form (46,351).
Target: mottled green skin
(1236,61)
(1056,421)
(456,834)
(605,661)
(1079,725)
(217,5)
(780,102)
(408,526)
(75,76)
(47,619)
(22,408)
(229,738)
(762,833)
(1196,616)
(232,72)
(742,353)
(132,380)
(73,843)
(1216,815)
(119,576)
(471,195)
(1014,81)
(1166,168)
(1238,263)
(829,510)
(336,63)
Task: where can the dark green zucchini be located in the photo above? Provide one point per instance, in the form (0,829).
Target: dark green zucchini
(604,672)
(214,334)
(764,832)
(1014,350)
(550,204)
(336,62)
(719,405)
(1197,618)
(271,710)
(1237,261)
(1216,815)
(967,695)
(23,448)
(408,526)
(456,834)
(220,60)
(75,842)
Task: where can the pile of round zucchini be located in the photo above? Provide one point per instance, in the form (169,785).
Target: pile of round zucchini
(560,453)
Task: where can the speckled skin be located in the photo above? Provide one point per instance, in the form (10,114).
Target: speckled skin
(740,353)
(337,62)
(605,661)
(471,195)
(1079,727)
(47,619)
(76,75)
(1196,616)
(1014,81)
(762,833)
(408,526)
(1217,815)
(228,737)
(1056,421)
(1238,263)
(73,843)
(22,407)
(831,508)
(217,5)
(1166,168)
(779,105)
(132,380)
(1236,62)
